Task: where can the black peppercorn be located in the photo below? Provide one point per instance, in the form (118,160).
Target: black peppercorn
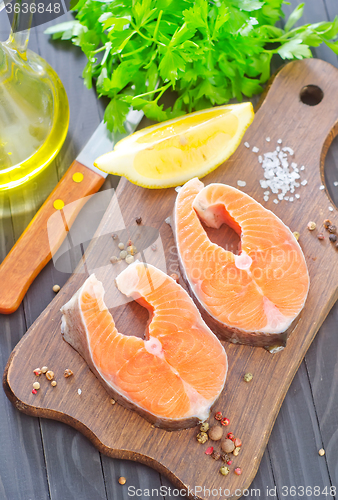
(333,238)
(215,455)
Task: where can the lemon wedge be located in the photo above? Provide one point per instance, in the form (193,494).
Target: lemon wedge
(170,153)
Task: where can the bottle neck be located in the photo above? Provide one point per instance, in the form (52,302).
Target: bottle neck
(19,36)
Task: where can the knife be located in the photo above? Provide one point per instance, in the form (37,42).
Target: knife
(32,251)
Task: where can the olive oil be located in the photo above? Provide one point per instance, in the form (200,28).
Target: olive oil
(34,115)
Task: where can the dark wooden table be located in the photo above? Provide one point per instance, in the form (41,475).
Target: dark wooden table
(42,459)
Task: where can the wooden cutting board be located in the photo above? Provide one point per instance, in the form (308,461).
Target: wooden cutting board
(251,407)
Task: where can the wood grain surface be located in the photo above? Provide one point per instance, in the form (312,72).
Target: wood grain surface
(252,408)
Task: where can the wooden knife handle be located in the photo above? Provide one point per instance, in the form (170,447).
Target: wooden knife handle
(33,250)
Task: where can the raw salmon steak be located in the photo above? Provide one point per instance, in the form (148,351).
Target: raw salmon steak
(175,374)
(253,297)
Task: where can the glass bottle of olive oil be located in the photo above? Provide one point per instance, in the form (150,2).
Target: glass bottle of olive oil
(34,112)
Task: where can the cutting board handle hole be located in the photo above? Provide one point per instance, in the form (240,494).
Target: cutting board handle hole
(311,95)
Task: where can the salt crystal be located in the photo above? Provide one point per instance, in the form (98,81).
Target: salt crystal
(291,198)
(294,165)
(288,150)
(79,392)
(255,149)
(286,198)
(268,139)
(275,201)
(265,198)
(278,149)
(280,196)
(304,182)
(246,144)
(297,196)
(331,209)
(322,187)
(260,159)
(267,193)
(302,168)
(335,183)
(279,141)
(241,183)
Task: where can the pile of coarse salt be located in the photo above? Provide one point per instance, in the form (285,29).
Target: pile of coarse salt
(281,174)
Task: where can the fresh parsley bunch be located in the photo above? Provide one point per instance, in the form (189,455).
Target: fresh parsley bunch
(207,51)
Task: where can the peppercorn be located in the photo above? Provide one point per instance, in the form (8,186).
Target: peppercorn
(37,372)
(227,445)
(44,369)
(114,259)
(320,236)
(202,437)
(327,223)
(112,401)
(34,391)
(321,452)
(218,415)
(248,377)
(229,462)
(237,442)
(225,421)
(121,246)
(215,455)
(67,373)
(230,436)
(36,386)
(138,220)
(154,247)
(224,457)
(236,451)
(53,383)
(123,254)
(238,471)
(215,433)
(224,470)
(131,249)
(209,450)
(332,228)
(114,236)
(122,480)
(56,288)
(296,235)
(129,259)
(204,427)
(333,238)
(311,226)
(49,375)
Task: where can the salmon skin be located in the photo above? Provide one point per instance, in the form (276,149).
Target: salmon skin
(175,374)
(250,298)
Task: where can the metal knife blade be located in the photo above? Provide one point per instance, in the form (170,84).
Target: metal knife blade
(103,141)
